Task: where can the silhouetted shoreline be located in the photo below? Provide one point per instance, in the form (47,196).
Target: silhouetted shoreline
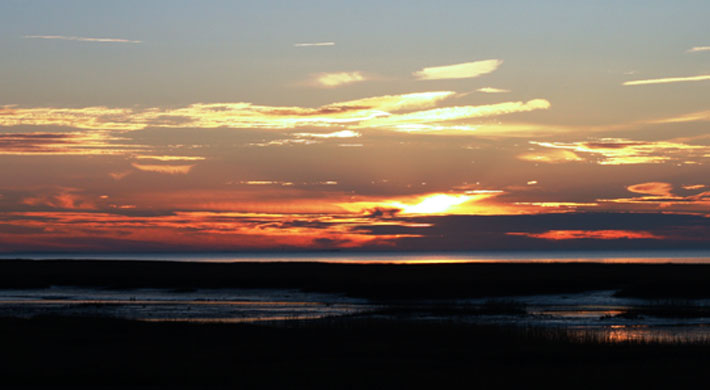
(376,281)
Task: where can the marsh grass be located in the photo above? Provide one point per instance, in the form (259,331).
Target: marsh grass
(341,352)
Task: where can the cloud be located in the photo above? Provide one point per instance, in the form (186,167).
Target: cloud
(551,157)
(409,122)
(458,71)
(590,234)
(437,203)
(70,143)
(82,39)
(214,115)
(165,169)
(617,151)
(336,134)
(698,49)
(312,44)
(660,194)
(492,90)
(412,112)
(63,198)
(667,80)
(691,117)
(169,158)
(652,188)
(331,80)
(266,183)
(694,187)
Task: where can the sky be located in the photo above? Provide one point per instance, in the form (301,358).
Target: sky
(371,125)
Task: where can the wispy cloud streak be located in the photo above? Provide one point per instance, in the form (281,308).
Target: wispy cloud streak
(458,71)
(667,80)
(492,90)
(82,39)
(617,151)
(311,44)
(698,49)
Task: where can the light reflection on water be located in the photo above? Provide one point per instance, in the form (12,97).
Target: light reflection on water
(227,305)
(595,315)
(643,333)
(612,257)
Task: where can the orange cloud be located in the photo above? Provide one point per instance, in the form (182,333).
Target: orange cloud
(184,230)
(169,158)
(694,187)
(68,199)
(652,188)
(165,169)
(589,234)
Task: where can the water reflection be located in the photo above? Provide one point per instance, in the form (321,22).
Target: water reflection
(612,257)
(164,305)
(594,316)
(643,333)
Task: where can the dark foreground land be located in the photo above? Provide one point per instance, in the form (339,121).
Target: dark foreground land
(344,352)
(331,353)
(376,281)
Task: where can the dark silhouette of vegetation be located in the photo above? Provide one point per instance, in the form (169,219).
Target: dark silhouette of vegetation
(376,281)
(332,353)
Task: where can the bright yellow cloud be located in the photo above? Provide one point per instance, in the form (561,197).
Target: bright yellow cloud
(214,115)
(469,202)
(330,80)
(551,157)
(458,71)
(408,121)
(336,134)
(492,90)
(618,151)
(169,158)
(667,80)
(165,169)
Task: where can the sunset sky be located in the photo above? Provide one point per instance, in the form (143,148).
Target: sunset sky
(376,125)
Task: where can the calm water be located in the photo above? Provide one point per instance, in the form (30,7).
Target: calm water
(654,256)
(597,313)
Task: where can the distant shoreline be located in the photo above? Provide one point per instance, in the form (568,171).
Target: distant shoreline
(372,281)
(686,256)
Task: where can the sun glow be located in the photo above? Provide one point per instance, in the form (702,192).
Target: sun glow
(434,204)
